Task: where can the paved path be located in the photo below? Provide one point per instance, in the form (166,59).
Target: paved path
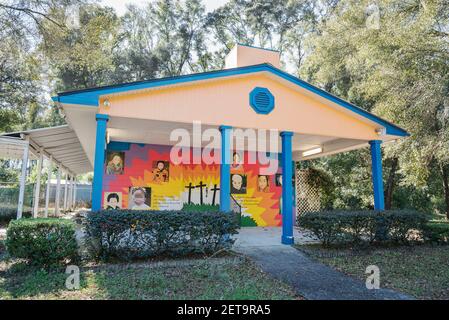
(311,279)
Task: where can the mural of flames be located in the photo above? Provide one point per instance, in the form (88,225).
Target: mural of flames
(195,183)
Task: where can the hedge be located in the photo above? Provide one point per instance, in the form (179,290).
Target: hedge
(128,234)
(43,242)
(358,227)
(438,231)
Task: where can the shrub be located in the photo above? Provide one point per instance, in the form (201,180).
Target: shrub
(43,242)
(358,227)
(437,231)
(128,234)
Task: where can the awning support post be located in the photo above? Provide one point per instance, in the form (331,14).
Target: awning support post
(58,192)
(287,189)
(376,167)
(47,192)
(100,146)
(225,169)
(65,192)
(37,189)
(22,181)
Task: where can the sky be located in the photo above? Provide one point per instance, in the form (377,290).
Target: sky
(120,5)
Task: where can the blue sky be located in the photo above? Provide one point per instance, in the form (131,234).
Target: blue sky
(120,5)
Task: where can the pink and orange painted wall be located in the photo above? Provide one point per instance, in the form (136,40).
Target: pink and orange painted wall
(141,176)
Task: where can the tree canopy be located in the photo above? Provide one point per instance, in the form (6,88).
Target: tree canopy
(390,57)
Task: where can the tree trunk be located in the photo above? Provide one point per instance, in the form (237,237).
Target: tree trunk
(390,184)
(445,174)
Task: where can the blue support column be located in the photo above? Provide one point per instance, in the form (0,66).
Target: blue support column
(100,144)
(225,169)
(376,167)
(287,189)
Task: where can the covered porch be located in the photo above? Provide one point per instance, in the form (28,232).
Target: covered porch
(139,124)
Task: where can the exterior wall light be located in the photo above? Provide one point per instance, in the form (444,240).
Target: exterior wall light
(313,151)
(106,103)
(381,131)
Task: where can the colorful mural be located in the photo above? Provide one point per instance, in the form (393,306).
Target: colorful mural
(139,176)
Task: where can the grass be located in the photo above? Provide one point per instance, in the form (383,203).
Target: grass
(421,271)
(232,279)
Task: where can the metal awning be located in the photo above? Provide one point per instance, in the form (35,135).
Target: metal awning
(61,143)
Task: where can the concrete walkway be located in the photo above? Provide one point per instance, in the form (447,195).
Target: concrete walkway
(312,280)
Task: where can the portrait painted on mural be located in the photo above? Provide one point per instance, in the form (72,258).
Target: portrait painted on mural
(263,183)
(161,170)
(139,198)
(238,183)
(278,180)
(237,160)
(115,162)
(112,200)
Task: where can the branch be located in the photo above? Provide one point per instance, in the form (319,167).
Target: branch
(31,13)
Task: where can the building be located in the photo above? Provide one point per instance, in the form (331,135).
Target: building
(151,143)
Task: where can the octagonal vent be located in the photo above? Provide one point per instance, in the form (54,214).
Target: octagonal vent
(261,100)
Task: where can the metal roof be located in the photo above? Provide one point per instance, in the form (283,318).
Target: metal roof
(60,142)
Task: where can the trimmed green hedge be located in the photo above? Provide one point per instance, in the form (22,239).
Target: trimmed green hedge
(358,227)
(43,242)
(128,234)
(438,231)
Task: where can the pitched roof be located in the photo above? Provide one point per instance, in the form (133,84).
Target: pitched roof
(90,96)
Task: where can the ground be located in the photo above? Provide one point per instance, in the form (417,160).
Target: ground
(218,278)
(420,271)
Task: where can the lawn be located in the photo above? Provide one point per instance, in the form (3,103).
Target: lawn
(421,271)
(217,278)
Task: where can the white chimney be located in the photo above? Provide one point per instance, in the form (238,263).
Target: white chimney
(242,55)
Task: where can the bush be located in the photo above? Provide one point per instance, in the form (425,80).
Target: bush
(128,234)
(43,242)
(357,227)
(437,231)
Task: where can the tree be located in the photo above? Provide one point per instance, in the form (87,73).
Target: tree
(397,67)
(81,56)
(164,38)
(23,84)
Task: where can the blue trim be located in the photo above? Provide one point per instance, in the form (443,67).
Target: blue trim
(287,189)
(100,142)
(118,146)
(257,105)
(100,116)
(90,97)
(376,167)
(225,169)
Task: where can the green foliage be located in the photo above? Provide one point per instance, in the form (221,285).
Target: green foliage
(358,227)
(42,242)
(246,221)
(200,208)
(438,231)
(398,69)
(128,234)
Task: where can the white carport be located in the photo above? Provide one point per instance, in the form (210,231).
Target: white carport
(61,147)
